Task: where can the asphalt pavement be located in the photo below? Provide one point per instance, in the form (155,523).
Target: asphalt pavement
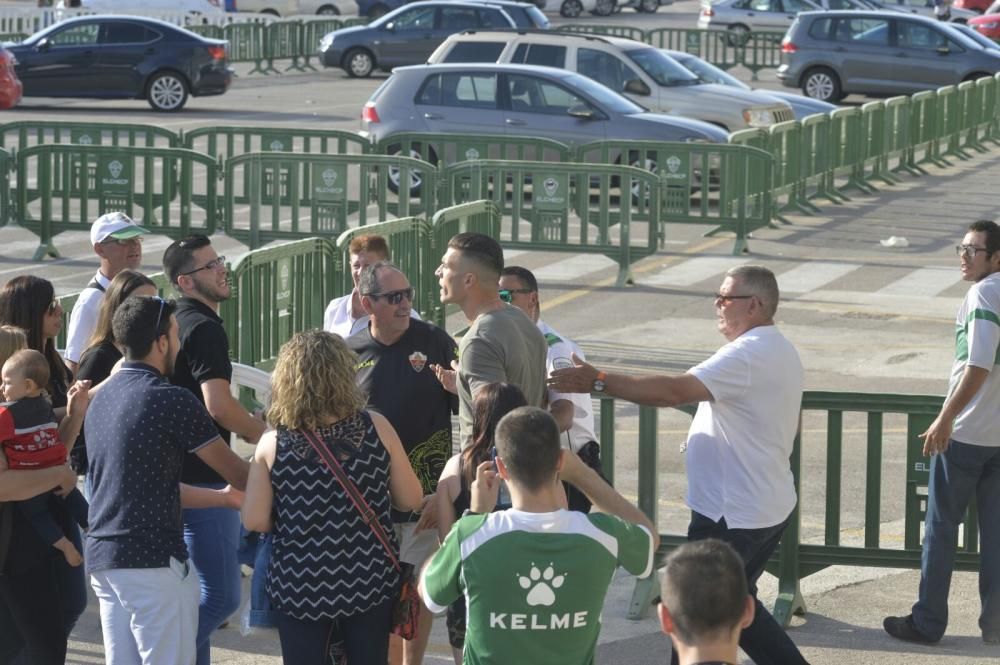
(865,317)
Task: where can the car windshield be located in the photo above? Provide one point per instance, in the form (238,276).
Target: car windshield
(709,73)
(662,68)
(605,97)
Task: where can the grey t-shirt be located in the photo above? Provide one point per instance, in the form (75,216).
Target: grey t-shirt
(500,346)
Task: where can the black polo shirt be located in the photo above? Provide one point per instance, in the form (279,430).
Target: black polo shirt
(140,430)
(401,386)
(204,355)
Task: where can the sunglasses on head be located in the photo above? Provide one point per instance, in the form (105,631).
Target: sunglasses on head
(394,297)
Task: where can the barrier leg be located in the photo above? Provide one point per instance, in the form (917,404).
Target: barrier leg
(45,249)
(642,597)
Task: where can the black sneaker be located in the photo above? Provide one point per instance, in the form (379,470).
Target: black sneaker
(902,628)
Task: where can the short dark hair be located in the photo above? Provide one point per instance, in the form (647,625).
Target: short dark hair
(992,231)
(704,590)
(527,439)
(30,364)
(481,249)
(135,323)
(178,257)
(525,276)
(368,280)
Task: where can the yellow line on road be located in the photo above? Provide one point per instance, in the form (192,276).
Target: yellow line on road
(648,264)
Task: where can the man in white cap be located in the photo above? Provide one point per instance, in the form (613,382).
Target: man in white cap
(117,241)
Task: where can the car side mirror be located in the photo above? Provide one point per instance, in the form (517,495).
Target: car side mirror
(581,111)
(389,27)
(43,44)
(636,87)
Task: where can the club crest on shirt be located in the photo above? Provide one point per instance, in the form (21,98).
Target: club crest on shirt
(417,361)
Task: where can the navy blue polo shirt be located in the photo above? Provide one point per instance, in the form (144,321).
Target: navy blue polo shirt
(139,430)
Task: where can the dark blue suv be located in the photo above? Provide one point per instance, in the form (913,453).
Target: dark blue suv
(377,8)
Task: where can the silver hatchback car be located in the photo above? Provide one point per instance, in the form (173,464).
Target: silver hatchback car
(738,18)
(519,100)
(833,54)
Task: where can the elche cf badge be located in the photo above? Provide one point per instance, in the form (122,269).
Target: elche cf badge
(417,361)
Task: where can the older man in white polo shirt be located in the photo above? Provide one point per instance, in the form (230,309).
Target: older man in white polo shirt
(117,241)
(740,485)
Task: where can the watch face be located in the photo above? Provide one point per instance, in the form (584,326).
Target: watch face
(598,386)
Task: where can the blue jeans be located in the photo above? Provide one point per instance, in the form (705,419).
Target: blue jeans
(956,474)
(212,536)
(764,640)
(255,551)
(365,635)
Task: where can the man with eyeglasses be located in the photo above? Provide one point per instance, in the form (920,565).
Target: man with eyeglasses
(964,445)
(117,241)
(203,367)
(502,345)
(573,412)
(740,484)
(395,353)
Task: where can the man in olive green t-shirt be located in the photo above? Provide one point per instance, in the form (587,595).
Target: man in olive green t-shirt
(502,345)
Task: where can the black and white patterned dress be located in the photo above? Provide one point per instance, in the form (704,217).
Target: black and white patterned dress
(326,562)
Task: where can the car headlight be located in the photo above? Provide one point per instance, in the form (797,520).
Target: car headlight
(988,26)
(758,117)
(326,42)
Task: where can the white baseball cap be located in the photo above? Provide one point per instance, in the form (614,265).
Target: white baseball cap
(115,225)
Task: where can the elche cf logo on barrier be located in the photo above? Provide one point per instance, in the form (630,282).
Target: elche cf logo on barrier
(551,186)
(674,171)
(329,181)
(329,177)
(277,145)
(115,173)
(85,139)
(471,154)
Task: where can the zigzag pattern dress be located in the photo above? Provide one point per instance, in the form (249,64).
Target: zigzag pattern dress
(326,562)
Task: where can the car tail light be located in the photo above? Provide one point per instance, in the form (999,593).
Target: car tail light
(214,3)
(217,52)
(369,114)
(708,11)
(788,47)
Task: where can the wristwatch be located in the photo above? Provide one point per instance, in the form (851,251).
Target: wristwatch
(599,382)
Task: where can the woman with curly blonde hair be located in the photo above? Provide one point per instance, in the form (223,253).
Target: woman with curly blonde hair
(327,567)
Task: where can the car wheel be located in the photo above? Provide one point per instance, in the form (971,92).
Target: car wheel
(648,6)
(359,63)
(328,10)
(822,84)
(604,8)
(571,8)
(737,35)
(378,11)
(270,12)
(167,91)
(416,177)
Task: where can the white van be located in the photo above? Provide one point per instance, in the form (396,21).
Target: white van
(643,73)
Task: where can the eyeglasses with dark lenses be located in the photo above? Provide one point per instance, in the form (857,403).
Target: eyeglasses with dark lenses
(719,296)
(968,250)
(394,297)
(215,264)
(507,295)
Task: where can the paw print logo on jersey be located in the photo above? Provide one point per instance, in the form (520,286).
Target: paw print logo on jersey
(541,585)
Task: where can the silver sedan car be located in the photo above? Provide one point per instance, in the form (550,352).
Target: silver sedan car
(738,18)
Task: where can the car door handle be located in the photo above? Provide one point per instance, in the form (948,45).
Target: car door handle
(432,116)
(150,51)
(840,49)
(902,54)
(515,122)
(750,14)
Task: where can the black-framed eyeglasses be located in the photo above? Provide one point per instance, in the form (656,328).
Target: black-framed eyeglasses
(122,241)
(719,296)
(213,265)
(968,250)
(159,316)
(394,297)
(507,295)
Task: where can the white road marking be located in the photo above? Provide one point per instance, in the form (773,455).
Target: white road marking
(813,275)
(923,282)
(573,268)
(692,271)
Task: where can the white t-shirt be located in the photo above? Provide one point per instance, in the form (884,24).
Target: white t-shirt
(560,356)
(977,343)
(338,320)
(739,443)
(83,319)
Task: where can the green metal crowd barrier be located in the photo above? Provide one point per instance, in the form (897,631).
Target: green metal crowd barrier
(226,142)
(725,186)
(247,43)
(295,195)
(446,149)
(581,208)
(6,166)
(278,291)
(284,41)
(15,136)
(63,187)
(313,31)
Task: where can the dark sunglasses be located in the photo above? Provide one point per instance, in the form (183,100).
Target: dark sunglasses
(394,297)
(507,295)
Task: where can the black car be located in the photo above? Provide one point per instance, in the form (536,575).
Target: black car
(122,57)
